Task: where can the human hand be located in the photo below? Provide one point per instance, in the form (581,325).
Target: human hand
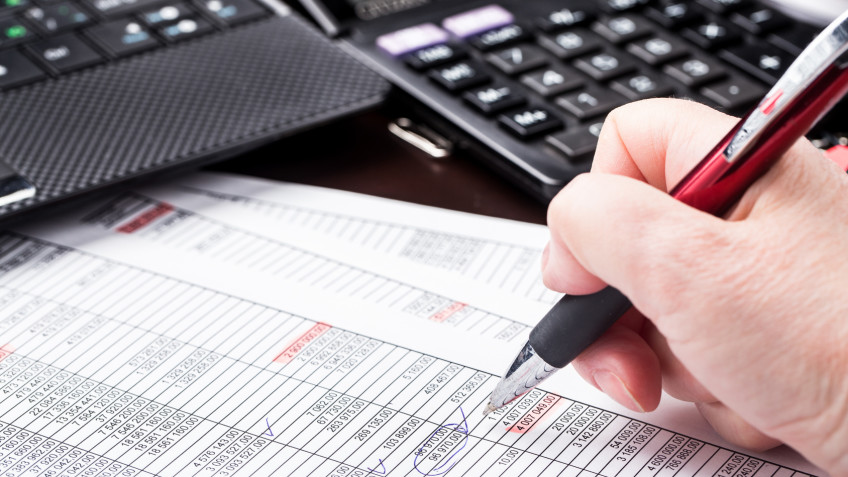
(746,317)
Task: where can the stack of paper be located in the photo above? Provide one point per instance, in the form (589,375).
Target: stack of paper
(227,326)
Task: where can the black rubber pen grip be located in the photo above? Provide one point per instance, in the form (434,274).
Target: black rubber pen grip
(574,323)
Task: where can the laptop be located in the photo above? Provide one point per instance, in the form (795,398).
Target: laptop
(526,84)
(98,92)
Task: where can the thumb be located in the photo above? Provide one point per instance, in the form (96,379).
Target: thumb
(634,237)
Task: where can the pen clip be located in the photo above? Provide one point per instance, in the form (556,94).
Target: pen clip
(820,57)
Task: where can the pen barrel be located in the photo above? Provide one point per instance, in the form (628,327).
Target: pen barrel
(565,331)
(716,183)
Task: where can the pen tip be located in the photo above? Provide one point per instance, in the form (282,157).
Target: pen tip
(489,408)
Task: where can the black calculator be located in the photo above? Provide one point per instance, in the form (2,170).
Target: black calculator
(529,82)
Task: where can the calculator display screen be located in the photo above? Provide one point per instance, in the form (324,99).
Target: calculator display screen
(345,10)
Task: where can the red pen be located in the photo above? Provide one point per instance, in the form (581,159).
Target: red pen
(813,84)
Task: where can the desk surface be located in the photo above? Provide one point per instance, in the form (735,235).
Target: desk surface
(360,155)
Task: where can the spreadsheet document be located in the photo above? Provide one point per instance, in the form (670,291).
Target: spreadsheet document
(171,332)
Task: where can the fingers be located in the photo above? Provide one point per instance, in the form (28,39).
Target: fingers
(622,365)
(735,429)
(657,141)
(631,236)
(638,356)
(627,368)
(563,273)
(691,273)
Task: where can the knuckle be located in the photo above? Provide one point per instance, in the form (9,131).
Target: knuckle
(560,208)
(619,116)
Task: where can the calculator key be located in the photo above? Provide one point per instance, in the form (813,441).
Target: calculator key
(642,86)
(553,81)
(794,38)
(674,14)
(530,122)
(113,8)
(517,59)
(187,28)
(232,12)
(695,71)
(7,6)
(16,69)
(712,35)
(166,14)
(618,6)
(578,145)
(433,56)
(723,6)
(565,18)
(759,20)
(494,99)
(622,28)
(477,21)
(734,93)
(410,39)
(658,49)
(763,62)
(590,102)
(460,76)
(572,43)
(605,66)
(123,37)
(57,17)
(499,37)
(65,53)
(13,31)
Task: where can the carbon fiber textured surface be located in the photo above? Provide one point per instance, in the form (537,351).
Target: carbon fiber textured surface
(208,98)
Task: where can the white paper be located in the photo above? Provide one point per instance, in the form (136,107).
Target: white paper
(127,353)
(499,253)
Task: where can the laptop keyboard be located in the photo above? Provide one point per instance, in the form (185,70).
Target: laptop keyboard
(549,80)
(40,39)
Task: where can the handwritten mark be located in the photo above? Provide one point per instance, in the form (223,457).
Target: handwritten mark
(382,466)
(462,428)
(269,433)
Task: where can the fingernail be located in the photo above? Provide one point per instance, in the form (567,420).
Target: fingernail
(614,387)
